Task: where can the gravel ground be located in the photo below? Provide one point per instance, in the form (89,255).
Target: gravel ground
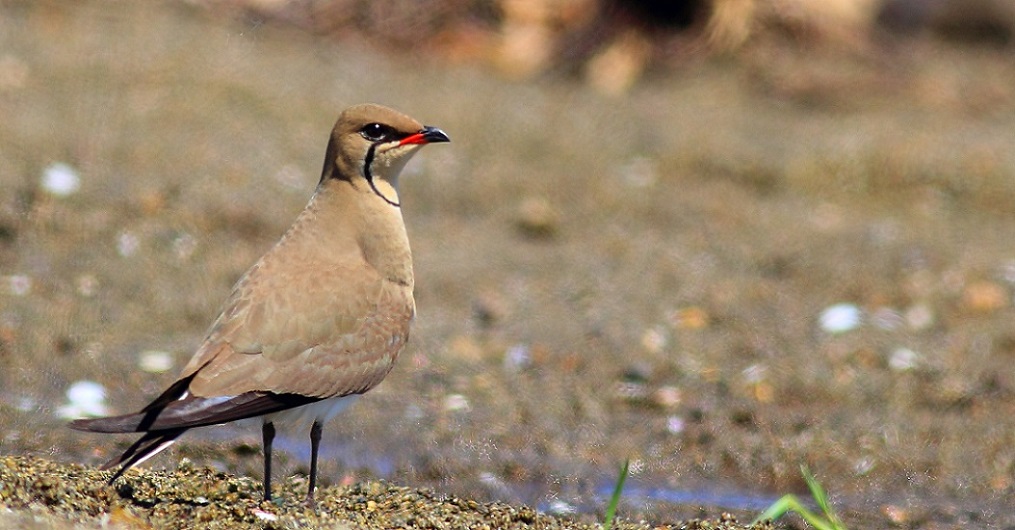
(36,493)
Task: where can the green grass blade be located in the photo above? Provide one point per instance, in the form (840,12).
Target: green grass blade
(821,497)
(818,492)
(790,503)
(611,509)
(777,509)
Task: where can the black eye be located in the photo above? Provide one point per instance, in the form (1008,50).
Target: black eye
(376,132)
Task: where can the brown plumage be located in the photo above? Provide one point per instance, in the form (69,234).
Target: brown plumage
(319,319)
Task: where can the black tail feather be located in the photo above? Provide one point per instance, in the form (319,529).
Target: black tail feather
(146,447)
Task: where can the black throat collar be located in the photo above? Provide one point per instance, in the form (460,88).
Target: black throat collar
(370,177)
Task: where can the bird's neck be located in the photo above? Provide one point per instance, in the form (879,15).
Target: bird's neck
(351,216)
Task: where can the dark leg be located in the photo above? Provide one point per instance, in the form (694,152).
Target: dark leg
(267,435)
(315,443)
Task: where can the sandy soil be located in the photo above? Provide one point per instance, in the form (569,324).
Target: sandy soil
(598,278)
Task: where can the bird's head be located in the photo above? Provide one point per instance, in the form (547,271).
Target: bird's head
(372,143)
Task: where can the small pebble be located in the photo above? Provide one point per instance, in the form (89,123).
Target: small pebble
(654,339)
(84,398)
(630,390)
(517,358)
(413,412)
(840,318)
(667,396)
(87,285)
(887,318)
(152,202)
(984,297)
(537,218)
(863,466)
(639,172)
(559,507)
(903,359)
(620,63)
(953,390)
(263,515)
(754,373)
(636,466)
(764,392)
(25,403)
(489,307)
(60,180)
(919,317)
(155,361)
(1008,272)
(692,317)
(127,244)
(19,284)
(456,403)
(86,391)
(897,515)
(184,246)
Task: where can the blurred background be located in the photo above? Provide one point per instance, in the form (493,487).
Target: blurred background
(720,238)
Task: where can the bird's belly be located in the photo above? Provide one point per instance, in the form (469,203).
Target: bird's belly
(300,417)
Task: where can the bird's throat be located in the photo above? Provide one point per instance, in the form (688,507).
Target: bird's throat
(368,172)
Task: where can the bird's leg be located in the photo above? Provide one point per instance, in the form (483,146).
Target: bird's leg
(315,443)
(267,436)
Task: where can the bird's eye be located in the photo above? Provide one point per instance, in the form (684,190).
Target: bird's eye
(375,132)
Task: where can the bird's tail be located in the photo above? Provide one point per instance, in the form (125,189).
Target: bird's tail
(165,420)
(113,424)
(147,446)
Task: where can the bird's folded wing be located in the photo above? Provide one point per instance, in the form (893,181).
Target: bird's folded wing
(302,330)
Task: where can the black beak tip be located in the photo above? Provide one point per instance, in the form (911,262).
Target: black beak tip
(434,135)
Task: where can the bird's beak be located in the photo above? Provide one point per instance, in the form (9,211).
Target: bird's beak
(427,135)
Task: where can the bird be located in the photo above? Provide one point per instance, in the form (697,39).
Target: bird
(317,321)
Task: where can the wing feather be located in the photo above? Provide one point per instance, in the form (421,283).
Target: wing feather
(191,412)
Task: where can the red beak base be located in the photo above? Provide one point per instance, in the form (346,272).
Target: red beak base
(428,135)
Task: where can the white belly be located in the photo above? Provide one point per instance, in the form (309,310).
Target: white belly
(301,417)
